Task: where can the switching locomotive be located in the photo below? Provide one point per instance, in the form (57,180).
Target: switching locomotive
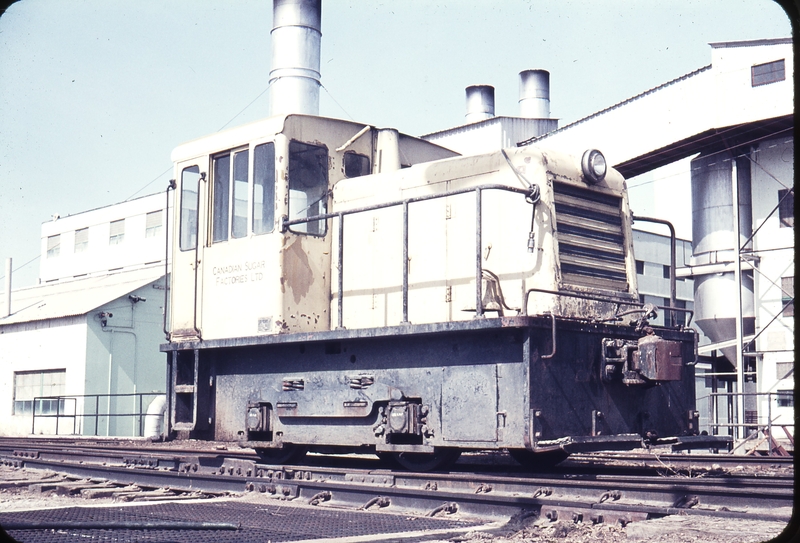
(341,287)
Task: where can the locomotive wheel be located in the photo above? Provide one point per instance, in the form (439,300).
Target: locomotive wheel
(439,459)
(288,454)
(538,460)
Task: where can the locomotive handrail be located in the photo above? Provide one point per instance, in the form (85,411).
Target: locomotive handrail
(286,223)
(553,328)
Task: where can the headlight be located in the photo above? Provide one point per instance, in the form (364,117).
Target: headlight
(594,167)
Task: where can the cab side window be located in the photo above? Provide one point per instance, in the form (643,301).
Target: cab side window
(230,196)
(190,183)
(355,165)
(264,188)
(308,186)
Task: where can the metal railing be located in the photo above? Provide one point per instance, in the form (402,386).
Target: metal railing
(764,424)
(138,413)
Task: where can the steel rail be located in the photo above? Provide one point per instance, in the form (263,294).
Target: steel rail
(611,498)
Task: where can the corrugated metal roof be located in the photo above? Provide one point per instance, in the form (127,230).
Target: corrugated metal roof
(76,297)
(615,106)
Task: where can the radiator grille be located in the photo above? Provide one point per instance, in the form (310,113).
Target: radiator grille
(591,244)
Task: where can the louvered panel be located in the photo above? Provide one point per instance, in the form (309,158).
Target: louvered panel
(590,238)
(573,240)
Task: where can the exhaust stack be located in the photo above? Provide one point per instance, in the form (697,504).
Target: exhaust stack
(296,37)
(480,103)
(534,94)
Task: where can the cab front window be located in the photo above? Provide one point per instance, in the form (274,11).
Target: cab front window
(308,186)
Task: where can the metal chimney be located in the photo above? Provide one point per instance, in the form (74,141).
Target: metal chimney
(296,37)
(534,94)
(480,103)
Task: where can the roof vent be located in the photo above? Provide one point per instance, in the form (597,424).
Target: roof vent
(480,103)
(534,94)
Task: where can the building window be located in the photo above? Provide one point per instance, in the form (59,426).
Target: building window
(32,384)
(117,232)
(640,267)
(785,398)
(787,296)
(784,369)
(152,224)
(770,72)
(786,207)
(666,272)
(81,240)
(53,246)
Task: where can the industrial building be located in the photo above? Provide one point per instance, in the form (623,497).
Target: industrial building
(89,332)
(711,151)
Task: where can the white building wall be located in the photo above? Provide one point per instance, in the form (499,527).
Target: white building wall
(134,250)
(39,346)
(734,99)
(774,244)
(122,357)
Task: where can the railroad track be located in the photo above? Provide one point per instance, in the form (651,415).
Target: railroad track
(578,492)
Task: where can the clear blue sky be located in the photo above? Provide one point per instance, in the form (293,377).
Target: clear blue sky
(95,94)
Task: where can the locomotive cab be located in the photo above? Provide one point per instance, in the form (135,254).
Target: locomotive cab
(237,271)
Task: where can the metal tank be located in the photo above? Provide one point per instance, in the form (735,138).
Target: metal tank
(715,247)
(480,103)
(534,94)
(296,38)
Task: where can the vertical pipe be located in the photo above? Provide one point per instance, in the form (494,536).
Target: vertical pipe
(7,310)
(405,262)
(737,280)
(340,265)
(171,185)
(478,262)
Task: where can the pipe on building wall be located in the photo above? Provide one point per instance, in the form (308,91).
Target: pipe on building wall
(480,103)
(295,75)
(154,423)
(534,94)
(7,306)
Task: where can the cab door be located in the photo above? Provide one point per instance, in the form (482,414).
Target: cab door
(187,254)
